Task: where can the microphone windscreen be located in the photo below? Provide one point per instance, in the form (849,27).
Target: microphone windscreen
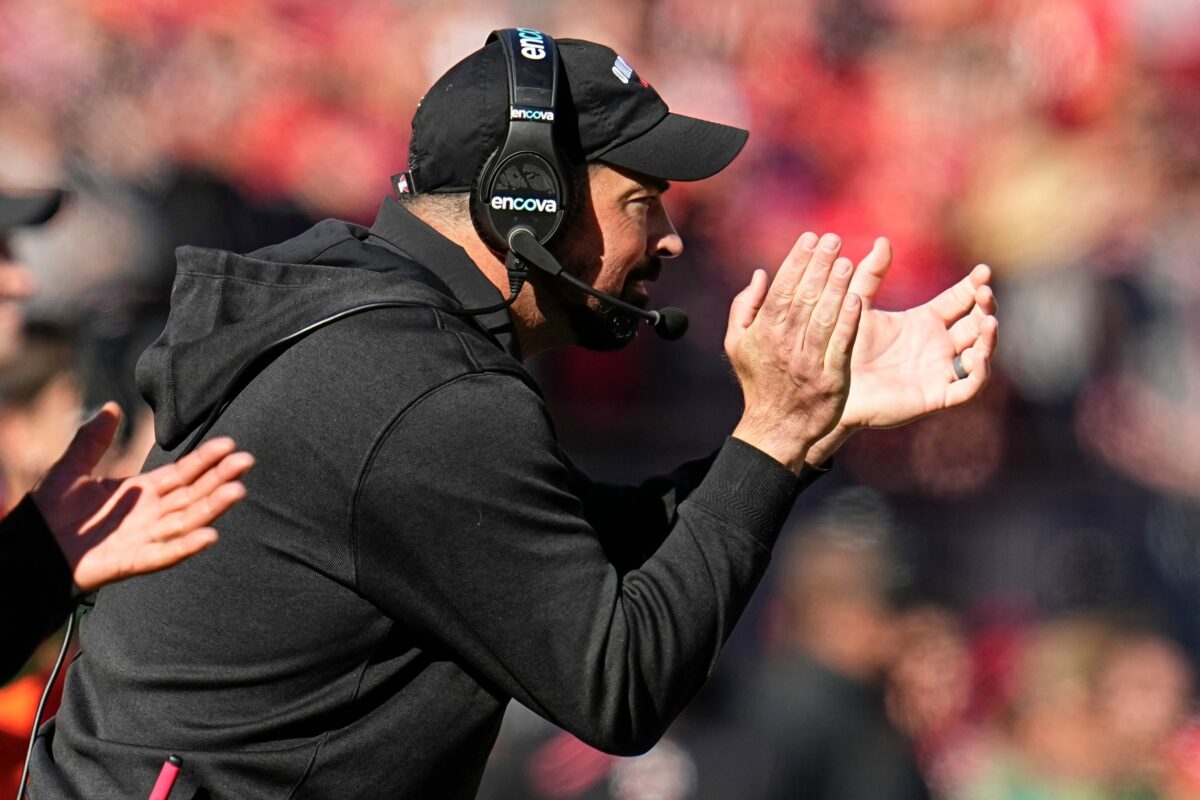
(672,323)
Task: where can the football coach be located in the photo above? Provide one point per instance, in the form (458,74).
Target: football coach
(415,549)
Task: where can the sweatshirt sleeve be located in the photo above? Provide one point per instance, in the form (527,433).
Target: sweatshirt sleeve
(632,521)
(35,585)
(468,532)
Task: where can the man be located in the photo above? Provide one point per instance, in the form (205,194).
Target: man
(416,549)
(18,210)
(817,708)
(41,390)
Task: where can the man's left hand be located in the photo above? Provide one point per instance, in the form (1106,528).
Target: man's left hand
(903,362)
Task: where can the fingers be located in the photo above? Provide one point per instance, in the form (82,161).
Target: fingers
(812,284)
(91,441)
(984,345)
(960,298)
(871,272)
(806,296)
(184,471)
(746,305)
(203,510)
(966,330)
(828,308)
(969,387)
(977,361)
(210,482)
(841,343)
(779,299)
(985,301)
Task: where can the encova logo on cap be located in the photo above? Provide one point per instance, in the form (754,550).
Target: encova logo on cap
(624,72)
(535,114)
(544,205)
(533,43)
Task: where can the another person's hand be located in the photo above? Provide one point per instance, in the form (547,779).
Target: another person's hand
(110,529)
(790,347)
(903,362)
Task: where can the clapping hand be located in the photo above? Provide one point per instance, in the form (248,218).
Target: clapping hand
(903,362)
(790,346)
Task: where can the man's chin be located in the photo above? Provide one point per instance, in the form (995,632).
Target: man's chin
(601,327)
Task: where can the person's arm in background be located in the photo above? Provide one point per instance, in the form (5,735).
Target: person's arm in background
(76,531)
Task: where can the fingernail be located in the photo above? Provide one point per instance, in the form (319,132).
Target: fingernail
(831,242)
(808,241)
(841,267)
(851,301)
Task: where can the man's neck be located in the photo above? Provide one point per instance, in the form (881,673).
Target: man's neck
(534,332)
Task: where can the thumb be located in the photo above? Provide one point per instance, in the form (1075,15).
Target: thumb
(745,306)
(91,441)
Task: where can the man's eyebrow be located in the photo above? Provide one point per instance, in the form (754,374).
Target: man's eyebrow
(645,182)
(658,183)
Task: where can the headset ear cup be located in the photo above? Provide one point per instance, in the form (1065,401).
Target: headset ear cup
(521,189)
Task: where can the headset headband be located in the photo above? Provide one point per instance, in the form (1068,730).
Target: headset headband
(533,78)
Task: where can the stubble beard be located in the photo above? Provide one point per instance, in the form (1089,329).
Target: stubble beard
(595,324)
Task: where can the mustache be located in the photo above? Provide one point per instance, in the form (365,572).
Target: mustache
(649,271)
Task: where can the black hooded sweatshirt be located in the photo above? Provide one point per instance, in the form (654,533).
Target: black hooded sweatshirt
(415,548)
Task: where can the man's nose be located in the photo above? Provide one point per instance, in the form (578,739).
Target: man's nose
(665,241)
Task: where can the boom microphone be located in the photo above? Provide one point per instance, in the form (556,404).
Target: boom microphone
(670,323)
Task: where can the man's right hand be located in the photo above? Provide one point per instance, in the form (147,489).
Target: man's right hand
(790,347)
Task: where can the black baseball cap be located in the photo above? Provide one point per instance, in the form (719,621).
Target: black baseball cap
(28,208)
(605,113)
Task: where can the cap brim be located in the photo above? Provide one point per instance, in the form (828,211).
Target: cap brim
(679,148)
(22,210)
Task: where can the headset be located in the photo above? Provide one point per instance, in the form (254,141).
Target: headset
(523,183)
(521,195)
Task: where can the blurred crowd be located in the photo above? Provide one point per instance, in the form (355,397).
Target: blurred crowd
(863,687)
(1024,624)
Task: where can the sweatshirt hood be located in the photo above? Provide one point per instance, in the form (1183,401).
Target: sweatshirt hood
(227,309)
